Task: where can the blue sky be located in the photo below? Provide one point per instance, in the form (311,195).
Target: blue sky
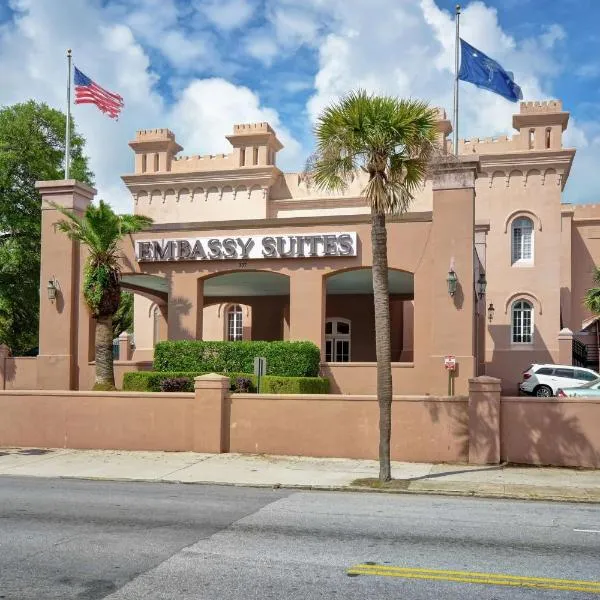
(199,66)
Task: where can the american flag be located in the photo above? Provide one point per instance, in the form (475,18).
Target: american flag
(89,92)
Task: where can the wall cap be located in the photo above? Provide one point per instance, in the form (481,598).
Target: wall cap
(565,334)
(485,379)
(212,381)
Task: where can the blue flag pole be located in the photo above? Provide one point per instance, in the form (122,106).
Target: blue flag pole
(456,67)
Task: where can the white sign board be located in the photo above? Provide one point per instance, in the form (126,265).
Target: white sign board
(450,363)
(292,245)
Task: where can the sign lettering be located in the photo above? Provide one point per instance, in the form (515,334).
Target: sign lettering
(248,247)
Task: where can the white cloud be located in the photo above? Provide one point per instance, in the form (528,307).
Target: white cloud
(227,14)
(207,110)
(32,54)
(260,45)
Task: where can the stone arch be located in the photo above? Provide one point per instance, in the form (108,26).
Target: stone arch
(546,173)
(155,196)
(184,195)
(227,193)
(169,196)
(537,222)
(212,194)
(515,176)
(497,176)
(141,195)
(529,296)
(197,194)
(532,173)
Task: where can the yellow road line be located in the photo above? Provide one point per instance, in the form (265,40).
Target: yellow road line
(477,578)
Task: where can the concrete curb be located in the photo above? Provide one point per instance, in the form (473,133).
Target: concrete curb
(484,490)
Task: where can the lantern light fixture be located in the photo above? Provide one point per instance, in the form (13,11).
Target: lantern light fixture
(52,288)
(452,281)
(481,285)
(490,312)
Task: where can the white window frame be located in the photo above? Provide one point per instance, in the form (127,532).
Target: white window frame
(517,254)
(234,323)
(334,337)
(526,305)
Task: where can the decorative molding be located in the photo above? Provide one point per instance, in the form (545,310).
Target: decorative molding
(522,212)
(530,296)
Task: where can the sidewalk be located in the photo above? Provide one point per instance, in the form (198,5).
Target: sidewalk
(303,473)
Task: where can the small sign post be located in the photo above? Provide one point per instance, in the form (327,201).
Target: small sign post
(260,369)
(450,365)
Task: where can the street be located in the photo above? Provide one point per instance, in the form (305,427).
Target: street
(86,540)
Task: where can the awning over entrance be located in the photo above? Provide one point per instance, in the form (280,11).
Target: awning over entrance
(360,281)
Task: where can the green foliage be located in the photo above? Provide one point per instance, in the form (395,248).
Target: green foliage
(389,138)
(100,229)
(294,385)
(123,318)
(31,149)
(592,296)
(291,359)
(153,381)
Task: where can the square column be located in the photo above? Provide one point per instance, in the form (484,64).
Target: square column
(453,246)
(186,303)
(60,263)
(307,307)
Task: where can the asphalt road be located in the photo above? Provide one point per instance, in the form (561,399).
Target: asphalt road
(85,540)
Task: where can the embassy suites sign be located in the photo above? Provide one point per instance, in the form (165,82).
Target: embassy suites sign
(293,245)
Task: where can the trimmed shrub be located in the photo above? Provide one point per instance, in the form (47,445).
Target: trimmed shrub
(294,385)
(177,384)
(152,381)
(286,359)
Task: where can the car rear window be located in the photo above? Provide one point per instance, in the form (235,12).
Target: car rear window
(544,371)
(584,375)
(568,373)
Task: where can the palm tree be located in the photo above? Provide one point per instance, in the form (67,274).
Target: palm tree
(392,141)
(100,229)
(592,296)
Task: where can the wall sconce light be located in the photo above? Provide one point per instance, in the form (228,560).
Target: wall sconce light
(481,285)
(452,282)
(52,288)
(490,312)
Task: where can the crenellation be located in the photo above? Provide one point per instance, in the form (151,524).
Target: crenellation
(541,106)
(145,134)
(250,128)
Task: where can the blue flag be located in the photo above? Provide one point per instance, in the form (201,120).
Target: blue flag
(484,72)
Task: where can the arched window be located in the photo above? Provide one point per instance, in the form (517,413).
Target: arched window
(522,240)
(522,322)
(234,323)
(337,340)
(531,138)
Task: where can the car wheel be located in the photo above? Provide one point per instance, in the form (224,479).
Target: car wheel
(543,391)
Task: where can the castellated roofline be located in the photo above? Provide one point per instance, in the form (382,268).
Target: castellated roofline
(541,106)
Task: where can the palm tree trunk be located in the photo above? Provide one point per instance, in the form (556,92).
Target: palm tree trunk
(381,298)
(105,377)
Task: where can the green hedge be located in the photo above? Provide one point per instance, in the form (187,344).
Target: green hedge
(287,359)
(149,381)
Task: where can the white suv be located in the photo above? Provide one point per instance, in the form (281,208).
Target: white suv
(544,380)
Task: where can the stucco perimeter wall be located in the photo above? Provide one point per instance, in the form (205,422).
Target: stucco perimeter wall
(548,431)
(100,420)
(20,373)
(424,429)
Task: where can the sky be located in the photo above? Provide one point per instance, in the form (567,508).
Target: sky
(199,66)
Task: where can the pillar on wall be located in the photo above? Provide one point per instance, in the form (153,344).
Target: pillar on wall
(307,308)
(4,354)
(60,264)
(186,304)
(453,239)
(565,347)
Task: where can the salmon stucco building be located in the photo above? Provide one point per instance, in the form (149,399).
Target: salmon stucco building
(240,250)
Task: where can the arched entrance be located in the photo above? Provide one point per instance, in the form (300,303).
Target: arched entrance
(350,316)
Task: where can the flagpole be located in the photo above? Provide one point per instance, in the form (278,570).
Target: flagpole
(456,54)
(68,132)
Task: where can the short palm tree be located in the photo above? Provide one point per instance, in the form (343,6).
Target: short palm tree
(100,229)
(392,141)
(592,296)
